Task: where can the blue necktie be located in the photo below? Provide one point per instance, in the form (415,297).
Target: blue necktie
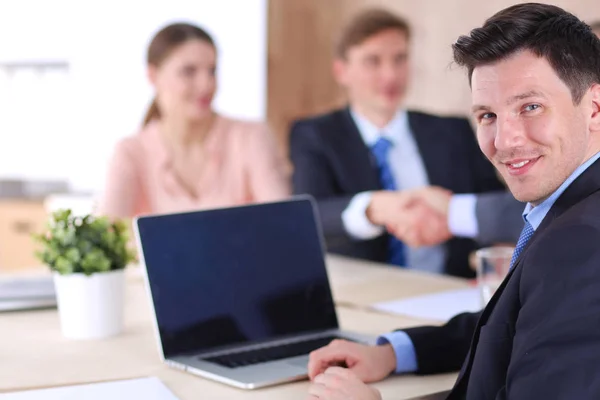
(526,234)
(381,150)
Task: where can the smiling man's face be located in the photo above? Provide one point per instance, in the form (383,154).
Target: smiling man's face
(528,125)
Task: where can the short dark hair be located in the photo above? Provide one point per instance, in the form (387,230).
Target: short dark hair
(595,25)
(367,24)
(548,31)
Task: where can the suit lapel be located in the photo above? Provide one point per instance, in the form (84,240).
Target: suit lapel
(431,153)
(354,158)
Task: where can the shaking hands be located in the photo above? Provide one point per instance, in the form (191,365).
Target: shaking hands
(418,217)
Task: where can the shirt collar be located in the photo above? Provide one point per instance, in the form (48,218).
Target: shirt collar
(535,215)
(371,133)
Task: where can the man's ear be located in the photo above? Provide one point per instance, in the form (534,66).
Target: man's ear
(595,99)
(339,69)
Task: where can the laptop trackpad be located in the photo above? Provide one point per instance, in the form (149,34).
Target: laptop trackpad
(301,362)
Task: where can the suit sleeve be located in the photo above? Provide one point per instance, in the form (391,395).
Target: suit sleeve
(313,175)
(444,348)
(556,352)
(499,218)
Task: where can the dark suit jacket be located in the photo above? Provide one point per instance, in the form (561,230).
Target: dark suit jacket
(332,163)
(539,337)
(499,218)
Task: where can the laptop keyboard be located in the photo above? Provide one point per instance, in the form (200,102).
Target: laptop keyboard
(273,353)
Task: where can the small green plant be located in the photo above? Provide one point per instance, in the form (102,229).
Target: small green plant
(87,245)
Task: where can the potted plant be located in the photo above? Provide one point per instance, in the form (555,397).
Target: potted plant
(87,255)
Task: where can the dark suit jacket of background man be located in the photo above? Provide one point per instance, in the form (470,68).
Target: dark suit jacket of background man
(499,218)
(539,337)
(332,163)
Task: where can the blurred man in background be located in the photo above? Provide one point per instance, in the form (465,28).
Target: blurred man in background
(361,162)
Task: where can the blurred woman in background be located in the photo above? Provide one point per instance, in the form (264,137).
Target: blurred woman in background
(186,156)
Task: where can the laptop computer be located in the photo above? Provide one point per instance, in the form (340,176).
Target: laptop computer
(240,295)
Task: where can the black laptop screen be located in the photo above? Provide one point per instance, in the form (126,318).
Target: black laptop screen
(236,275)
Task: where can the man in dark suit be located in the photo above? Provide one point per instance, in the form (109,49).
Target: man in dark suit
(359,161)
(534,70)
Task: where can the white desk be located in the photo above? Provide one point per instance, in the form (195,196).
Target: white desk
(34,354)
(357,283)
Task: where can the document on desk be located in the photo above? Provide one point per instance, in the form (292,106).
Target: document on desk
(150,388)
(440,306)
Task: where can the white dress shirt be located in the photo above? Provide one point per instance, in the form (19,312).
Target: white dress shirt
(409,173)
(462,216)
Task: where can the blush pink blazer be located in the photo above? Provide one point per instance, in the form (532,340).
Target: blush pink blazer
(243,166)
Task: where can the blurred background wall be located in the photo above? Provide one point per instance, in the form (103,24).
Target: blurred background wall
(73,80)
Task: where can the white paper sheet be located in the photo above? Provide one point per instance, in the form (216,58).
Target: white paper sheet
(439,306)
(144,388)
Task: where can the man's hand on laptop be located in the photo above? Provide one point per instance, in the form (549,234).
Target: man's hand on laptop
(338,383)
(368,363)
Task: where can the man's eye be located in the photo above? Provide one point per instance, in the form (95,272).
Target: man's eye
(532,107)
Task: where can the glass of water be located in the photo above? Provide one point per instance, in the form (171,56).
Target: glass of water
(493,264)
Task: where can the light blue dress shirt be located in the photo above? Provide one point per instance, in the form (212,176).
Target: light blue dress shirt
(462,216)
(409,173)
(406,358)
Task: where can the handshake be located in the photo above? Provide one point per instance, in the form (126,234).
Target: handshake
(418,217)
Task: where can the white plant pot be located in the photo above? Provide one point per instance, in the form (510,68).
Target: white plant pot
(90,307)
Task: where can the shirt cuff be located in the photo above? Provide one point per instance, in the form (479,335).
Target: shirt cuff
(462,219)
(406,356)
(355,220)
